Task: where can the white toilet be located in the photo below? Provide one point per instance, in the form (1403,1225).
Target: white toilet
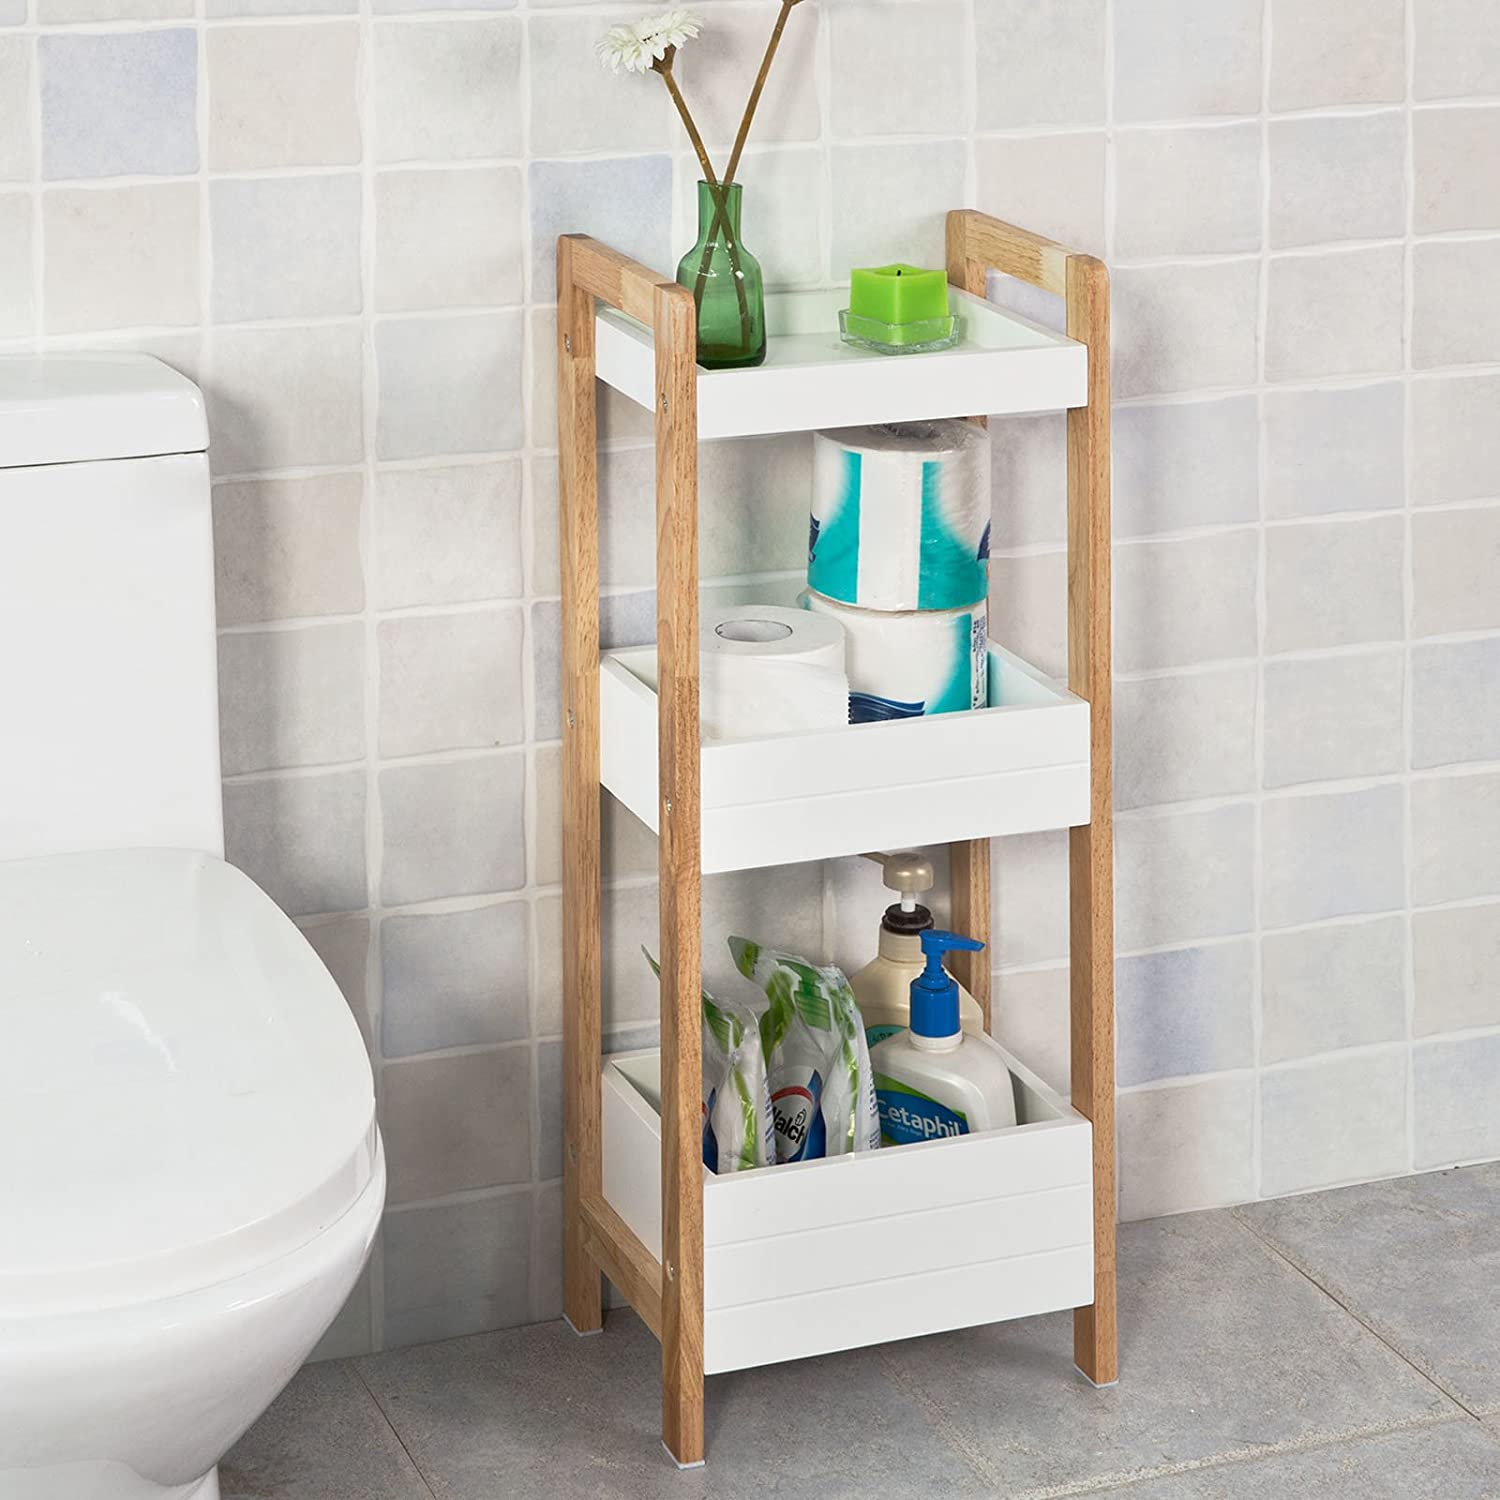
(190,1171)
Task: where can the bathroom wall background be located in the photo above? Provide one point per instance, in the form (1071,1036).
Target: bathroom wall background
(338,216)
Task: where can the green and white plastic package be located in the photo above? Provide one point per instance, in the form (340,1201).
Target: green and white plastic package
(737,1127)
(817,1060)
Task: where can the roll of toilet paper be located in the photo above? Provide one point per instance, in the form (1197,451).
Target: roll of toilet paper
(902,666)
(901,515)
(770,670)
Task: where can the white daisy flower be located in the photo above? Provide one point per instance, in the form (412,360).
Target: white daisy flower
(633,49)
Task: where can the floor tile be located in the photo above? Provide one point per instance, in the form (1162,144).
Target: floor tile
(322,1439)
(541,1413)
(1418,1258)
(1224,1348)
(1451,1461)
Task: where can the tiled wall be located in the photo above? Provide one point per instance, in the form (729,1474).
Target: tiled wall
(338,215)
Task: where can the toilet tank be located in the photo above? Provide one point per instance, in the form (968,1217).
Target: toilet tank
(109,735)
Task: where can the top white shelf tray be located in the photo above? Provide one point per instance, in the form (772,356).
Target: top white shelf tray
(812,379)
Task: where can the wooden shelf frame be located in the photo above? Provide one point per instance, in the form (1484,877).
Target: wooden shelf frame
(668,1293)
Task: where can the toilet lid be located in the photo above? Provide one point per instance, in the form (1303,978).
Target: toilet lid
(184,1093)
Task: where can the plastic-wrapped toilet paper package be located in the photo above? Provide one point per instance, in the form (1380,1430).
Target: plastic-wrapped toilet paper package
(766,670)
(901,515)
(902,666)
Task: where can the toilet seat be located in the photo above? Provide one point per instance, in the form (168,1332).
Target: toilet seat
(184,1094)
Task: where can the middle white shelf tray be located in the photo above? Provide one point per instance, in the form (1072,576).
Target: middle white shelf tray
(1019,766)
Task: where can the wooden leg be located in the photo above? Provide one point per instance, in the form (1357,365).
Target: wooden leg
(970,874)
(680,874)
(579,547)
(1091,849)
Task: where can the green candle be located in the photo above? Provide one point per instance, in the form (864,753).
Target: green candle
(898,294)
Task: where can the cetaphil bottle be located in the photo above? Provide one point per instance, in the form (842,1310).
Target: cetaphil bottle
(936,1080)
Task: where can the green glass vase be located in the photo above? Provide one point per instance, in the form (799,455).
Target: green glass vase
(726,284)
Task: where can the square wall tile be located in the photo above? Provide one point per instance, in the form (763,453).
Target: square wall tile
(456,1268)
(120,257)
(549,1094)
(287,548)
(753,494)
(1334,583)
(451,681)
(624,620)
(1337,314)
(344,947)
(1334,986)
(1456,319)
(1028,608)
(250,8)
(1458,48)
(1054,184)
(448,238)
(1185,327)
(449,385)
(455,828)
(1029,480)
(547,1254)
(891,202)
(453,1124)
(1187,191)
(1175,58)
(301,839)
(1457,186)
(15,108)
(1455,562)
(283,96)
(1341,1119)
(1455,687)
(1184,464)
(1338,177)
(60,12)
(626,203)
(895,68)
(1457,960)
(1186,1146)
(1331,718)
(1185,602)
(1029,883)
(17,304)
(1181,876)
(454,979)
(1186,737)
(723,61)
(448,535)
(1455,829)
(623,112)
(447,90)
(292,697)
(1332,854)
(1337,52)
(1455,438)
(119,103)
(285,247)
(1186,1011)
(1040,64)
(1457,1104)
(1029,1017)
(1328,451)
(282,398)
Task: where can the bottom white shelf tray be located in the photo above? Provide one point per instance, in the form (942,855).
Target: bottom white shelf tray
(811,1257)
(1019,766)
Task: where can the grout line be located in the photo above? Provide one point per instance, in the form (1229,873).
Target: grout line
(1344,1301)
(353,1366)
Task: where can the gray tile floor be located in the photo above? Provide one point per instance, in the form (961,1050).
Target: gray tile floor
(1344,1344)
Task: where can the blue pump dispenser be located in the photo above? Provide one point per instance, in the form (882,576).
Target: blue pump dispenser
(934,992)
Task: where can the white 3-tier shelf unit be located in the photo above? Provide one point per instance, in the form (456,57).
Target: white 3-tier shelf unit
(801,1259)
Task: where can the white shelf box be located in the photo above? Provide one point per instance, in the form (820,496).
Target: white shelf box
(1019,766)
(811,1257)
(812,379)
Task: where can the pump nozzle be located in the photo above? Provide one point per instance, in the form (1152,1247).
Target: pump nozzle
(934,992)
